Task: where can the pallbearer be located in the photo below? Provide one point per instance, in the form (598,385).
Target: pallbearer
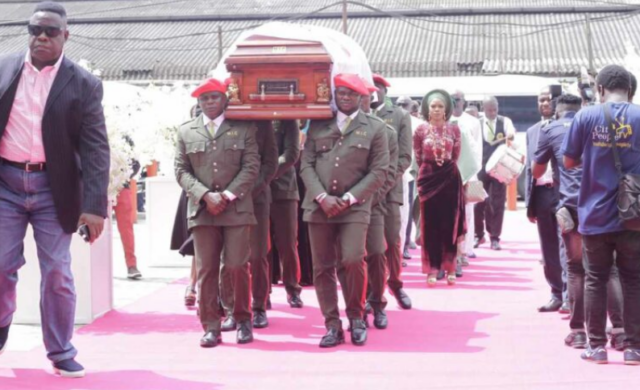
(259,239)
(376,243)
(284,209)
(217,164)
(401,123)
(344,162)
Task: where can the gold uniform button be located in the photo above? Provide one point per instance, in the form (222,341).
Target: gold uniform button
(335,182)
(324,146)
(337,158)
(214,148)
(359,145)
(337,165)
(215,170)
(215,164)
(340,143)
(334,187)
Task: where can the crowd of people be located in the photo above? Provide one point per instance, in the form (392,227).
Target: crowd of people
(359,176)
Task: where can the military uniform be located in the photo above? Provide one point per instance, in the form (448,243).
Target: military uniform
(228,161)
(284,209)
(401,122)
(353,161)
(259,240)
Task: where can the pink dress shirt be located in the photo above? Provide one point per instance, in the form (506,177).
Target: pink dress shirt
(22,140)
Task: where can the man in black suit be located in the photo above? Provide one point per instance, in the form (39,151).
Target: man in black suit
(54,174)
(542,196)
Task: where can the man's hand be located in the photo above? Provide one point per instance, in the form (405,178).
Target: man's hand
(533,219)
(332,205)
(95,224)
(215,202)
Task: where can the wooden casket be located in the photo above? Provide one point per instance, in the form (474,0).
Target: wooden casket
(274,78)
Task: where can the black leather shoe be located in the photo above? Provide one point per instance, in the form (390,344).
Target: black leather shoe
(406,255)
(565,308)
(260,319)
(458,270)
(576,339)
(552,305)
(358,332)
(210,339)
(4,336)
(229,324)
(495,245)
(294,301)
(333,338)
(479,241)
(380,319)
(367,308)
(440,275)
(269,303)
(245,332)
(403,299)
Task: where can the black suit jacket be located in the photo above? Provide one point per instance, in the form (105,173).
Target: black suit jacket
(73,134)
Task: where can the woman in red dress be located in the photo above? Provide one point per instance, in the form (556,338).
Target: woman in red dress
(442,206)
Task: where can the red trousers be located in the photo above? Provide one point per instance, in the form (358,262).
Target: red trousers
(124,218)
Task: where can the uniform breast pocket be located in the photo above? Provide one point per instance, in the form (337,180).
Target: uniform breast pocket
(196,153)
(323,146)
(360,145)
(233,150)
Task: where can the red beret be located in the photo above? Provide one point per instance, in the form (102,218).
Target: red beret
(351,81)
(380,80)
(372,88)
(210,85)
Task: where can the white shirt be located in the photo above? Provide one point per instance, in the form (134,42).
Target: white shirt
(471,126)
(489,128)
(341,118)
(217,122)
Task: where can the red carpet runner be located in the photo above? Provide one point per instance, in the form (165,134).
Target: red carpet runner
(484,333)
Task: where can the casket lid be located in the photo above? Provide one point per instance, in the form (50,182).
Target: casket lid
(265,49)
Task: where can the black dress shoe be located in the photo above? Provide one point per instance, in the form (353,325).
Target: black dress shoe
(380,319)
(479,241)
(333,338)
(4,336)
(458,270)
(245,332)
(565,308)
(495,245)
(406,255)
(269,303)
(229,324)
(294,301)
(210,339)
(403,299)
(552,305)
(440,275)
(576,339)
(367,308)
(358,332)
(260,319)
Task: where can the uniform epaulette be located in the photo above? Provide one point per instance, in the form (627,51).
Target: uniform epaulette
(375,118)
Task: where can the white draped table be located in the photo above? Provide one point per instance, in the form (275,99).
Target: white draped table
(92,271)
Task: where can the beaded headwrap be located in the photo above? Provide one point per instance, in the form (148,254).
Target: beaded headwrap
(441,95)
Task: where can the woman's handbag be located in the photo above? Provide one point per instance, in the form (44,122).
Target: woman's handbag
(629,184)
(474,192)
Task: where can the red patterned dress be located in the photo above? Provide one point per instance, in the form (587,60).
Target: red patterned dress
(441,194)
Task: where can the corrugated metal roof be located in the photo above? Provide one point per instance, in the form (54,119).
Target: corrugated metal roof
(149,8)
(542,44)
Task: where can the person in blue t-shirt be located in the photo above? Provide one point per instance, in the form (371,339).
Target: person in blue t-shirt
(549,149)
(604,238)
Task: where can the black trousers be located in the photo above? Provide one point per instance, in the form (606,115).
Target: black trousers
(492,209)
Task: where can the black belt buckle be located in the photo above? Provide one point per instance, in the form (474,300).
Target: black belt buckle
(38,167)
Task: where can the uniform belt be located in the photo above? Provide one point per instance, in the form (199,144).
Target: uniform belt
(547,185)
(29,167)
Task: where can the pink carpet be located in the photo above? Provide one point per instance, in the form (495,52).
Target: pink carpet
(484,333)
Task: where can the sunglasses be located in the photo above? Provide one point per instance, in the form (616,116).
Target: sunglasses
(51,32)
